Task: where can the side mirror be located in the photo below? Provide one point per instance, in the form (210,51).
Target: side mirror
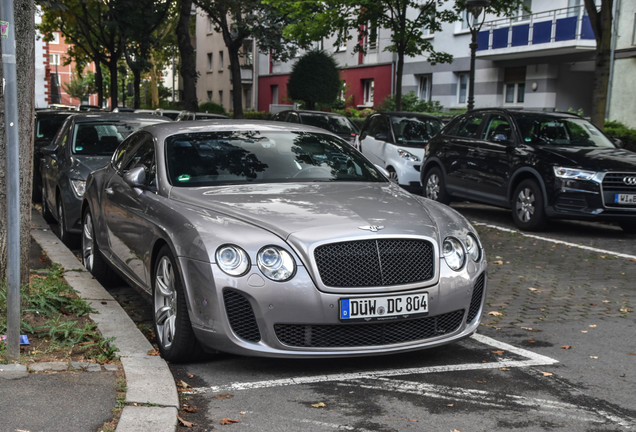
(383,170)
(50,149)
(499,138)
(618,143)
(382,137)
(136,178)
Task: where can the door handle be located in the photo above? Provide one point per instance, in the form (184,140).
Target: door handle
(109,191)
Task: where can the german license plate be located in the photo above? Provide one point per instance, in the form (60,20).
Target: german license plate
(625,199)
(378,308)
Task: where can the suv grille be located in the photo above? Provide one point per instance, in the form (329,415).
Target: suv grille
(241,316)
(368,334)
(613,184)
(382,262)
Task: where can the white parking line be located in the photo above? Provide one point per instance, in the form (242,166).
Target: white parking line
(531,359)
(551,240)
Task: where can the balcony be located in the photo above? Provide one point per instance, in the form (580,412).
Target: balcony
(554,32)
(247,74)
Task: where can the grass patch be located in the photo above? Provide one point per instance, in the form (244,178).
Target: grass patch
(57,323)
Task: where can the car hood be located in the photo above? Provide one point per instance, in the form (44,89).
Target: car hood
(309,213)
(596,159)
(82,166)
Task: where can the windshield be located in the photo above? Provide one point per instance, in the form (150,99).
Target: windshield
(102,138)
(332,123)
(213,158)
(560,131)
(414,131)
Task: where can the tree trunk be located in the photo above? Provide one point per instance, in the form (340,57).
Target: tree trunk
(398,81)
(237,86)
(99,83)
(137,87)
(188,65)
(154,84)
(24,11)
(112,67)
(602,26)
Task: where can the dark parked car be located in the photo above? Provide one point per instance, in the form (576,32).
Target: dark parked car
(396,141)
(47,124)
(540,165)
(279,240)
(85,142)
(333,122)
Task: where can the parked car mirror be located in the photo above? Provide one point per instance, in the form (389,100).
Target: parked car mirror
(618,142)
(49,149)
(136,178)
(499,138)
(383,171)
(382,137)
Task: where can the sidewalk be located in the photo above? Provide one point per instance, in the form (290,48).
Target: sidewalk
(80,397)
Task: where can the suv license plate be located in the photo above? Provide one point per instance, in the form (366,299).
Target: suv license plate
(377,308)
(625,199)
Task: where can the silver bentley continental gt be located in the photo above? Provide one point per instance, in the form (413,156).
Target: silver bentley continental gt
(267,239)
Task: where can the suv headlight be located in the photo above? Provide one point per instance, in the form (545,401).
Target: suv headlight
(573,173)
(232,260)
(454,253)
(408,156)
(276,263)
(79,187)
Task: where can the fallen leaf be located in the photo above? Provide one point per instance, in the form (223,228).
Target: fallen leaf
(153,352)
(319,405)
(606,301)
(498,262)
(593,357)
(630,353)
(481,381)
(498,352)
(584,331)
(625,310)
(228,421)
(532,341)
(224,396)
(547,374)
(592,326)
(189,409)
(450,405)
(495,313)
(185,423)
(535,290)
(190,376)
(413,420)
(530,329)
(566,347)
(504,369)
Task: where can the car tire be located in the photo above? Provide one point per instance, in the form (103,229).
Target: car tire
(434,187)
(173,329)
(46,213)
(528,212)
(92,257)
(393,176)
(67,238)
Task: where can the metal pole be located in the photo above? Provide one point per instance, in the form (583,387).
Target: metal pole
(471,74)
(13,179)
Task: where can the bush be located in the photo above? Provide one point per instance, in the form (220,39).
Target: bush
(257,115)
(411,103)
(212,108)
(618,130)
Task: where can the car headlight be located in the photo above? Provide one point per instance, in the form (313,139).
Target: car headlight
(573,173)
(408,156)
(454,254)
(276,263)
(79,187)
(232,260)
(473,248)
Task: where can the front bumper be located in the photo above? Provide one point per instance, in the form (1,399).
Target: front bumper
(254,316)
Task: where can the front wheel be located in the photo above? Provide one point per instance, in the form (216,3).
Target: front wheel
(528,212)
(434,186)
(91,255)
(66,237)
(173,328)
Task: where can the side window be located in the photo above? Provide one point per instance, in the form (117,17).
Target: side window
(469,128)
(126,150)
(63,138)
(498,129)
(293,118)
(379,126)
(144,156)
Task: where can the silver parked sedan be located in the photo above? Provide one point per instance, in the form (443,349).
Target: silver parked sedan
(270,239)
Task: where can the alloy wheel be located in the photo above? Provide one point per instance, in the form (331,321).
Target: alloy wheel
(432,187)
(165,301)
(526,205)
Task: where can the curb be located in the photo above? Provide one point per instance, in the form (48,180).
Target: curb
(152,400)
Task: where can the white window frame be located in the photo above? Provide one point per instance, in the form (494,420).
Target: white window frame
(424,84)
(210,61)
(462,80)
(220,61)
(54,59)
(210,94)
(56,38)
(368,90)
(518,93)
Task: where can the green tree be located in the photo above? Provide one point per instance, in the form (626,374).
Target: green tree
(79,87)
(240,21)
(314,79)
(406,20)
(601,20)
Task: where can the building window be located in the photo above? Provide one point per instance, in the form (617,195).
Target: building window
(54,59)
(371,39)
(247,95)
(210,25)
(424,87)
(274,94)
(514,85)
(248,53)
(221,61)
(465,19)
(210,94)
(56,38)
(462,87)
(221,97)
(524,11)
(210,61)
(368,88)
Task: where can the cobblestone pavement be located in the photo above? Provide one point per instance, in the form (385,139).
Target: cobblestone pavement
(533,281)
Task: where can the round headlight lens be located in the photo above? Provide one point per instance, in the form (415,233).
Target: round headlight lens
(473,248)
(453,253)
(276,263)
(232,260)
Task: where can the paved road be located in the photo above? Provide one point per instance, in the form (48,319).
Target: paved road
(556,352)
